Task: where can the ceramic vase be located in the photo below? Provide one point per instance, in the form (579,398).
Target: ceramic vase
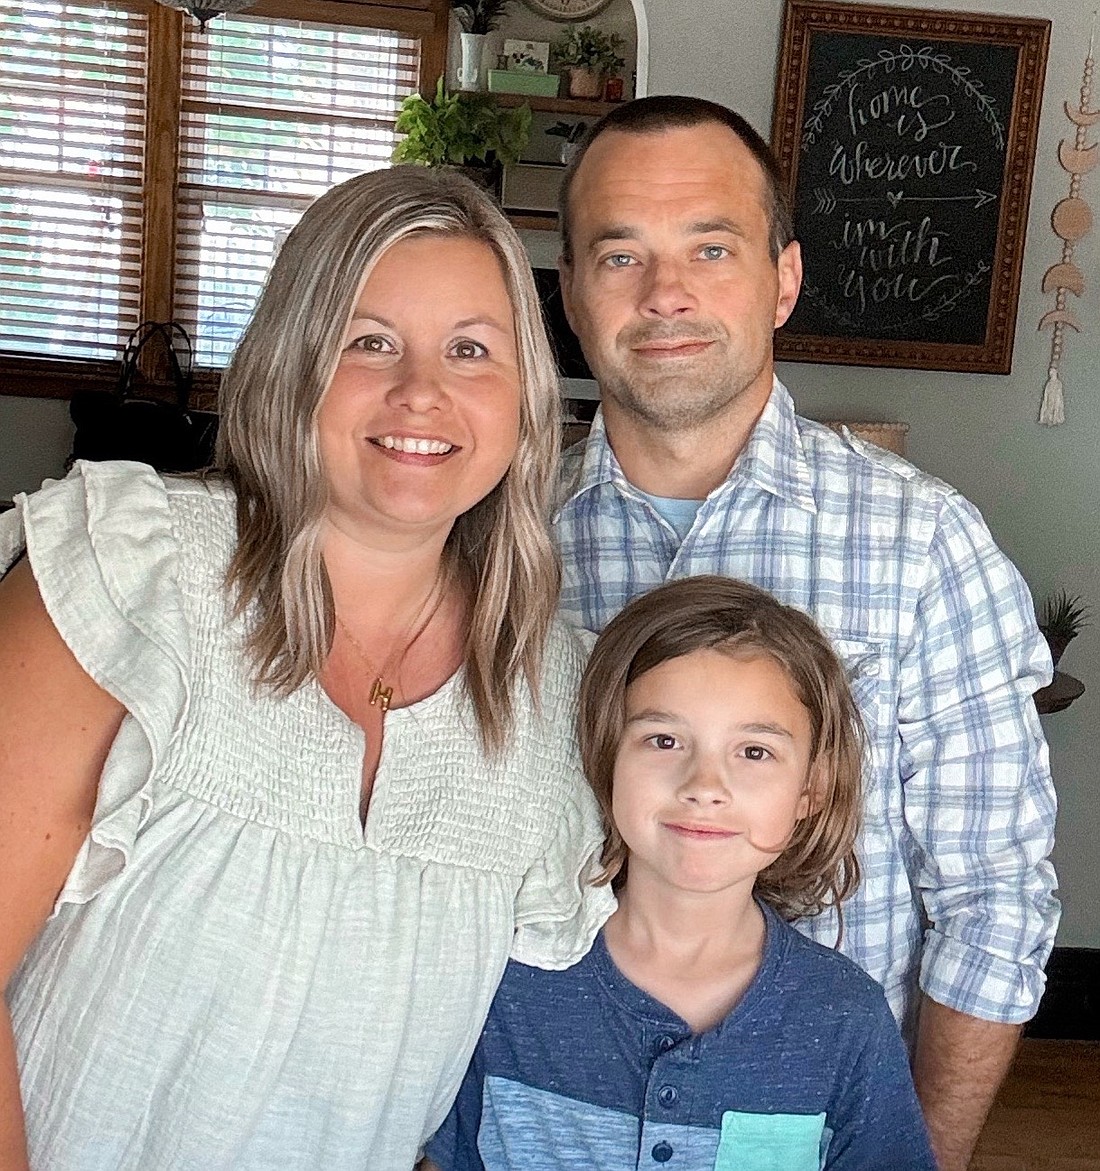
(469,70)
(584,83)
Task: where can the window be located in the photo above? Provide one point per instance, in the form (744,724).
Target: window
(149,169)
(72,129)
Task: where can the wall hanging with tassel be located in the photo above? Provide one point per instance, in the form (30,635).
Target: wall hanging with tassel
(1071,220)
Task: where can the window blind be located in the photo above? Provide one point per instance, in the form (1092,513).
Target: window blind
(272,114)
(72,128)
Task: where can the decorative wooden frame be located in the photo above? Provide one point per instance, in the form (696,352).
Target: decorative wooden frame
(912,59)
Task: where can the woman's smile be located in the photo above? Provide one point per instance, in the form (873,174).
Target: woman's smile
(414,449)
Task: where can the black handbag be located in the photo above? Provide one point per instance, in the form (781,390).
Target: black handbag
(122,424)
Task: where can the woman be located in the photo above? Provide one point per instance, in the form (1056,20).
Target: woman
(294,742)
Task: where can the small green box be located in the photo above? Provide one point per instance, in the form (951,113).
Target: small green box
(510,81)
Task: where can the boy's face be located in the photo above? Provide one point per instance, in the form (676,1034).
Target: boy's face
(712,772)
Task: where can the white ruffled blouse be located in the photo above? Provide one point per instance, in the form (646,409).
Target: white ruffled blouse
(237,974)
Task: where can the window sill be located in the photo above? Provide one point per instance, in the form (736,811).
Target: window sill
(61,378)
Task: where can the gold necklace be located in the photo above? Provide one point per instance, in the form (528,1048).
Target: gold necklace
(381,695)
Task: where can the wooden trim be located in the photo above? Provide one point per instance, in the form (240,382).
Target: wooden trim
(1070,1008)
(53,377)
(416,5)
(241,197)
(801,120)
(433,47)
(269,114)
(158,250)
(29,177)
(59,378)
(573,106)
(418,20)
(546,221)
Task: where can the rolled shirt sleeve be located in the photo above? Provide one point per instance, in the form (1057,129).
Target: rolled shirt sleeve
(978,796)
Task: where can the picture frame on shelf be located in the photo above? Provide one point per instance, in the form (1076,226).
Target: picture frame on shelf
(527,56)
(907,140)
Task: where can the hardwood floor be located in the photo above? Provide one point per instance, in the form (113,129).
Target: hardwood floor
(1047,1115)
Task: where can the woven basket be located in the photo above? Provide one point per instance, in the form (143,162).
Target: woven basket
(888,435)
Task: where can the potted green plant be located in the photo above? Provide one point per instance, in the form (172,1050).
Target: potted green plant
(477,17)
(1061,620)
(571,134)
(461,130)
(589,55)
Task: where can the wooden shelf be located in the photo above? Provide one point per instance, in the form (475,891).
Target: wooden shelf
(545,221)
(577,106)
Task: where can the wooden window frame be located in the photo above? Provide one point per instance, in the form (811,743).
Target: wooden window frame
(44,377)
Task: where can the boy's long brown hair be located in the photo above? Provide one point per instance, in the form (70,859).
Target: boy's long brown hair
(818,868)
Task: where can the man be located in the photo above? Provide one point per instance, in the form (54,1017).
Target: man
(677,265)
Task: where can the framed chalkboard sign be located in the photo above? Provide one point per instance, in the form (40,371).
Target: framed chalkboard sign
(907,138)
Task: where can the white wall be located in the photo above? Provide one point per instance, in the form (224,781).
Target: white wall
(1038,487)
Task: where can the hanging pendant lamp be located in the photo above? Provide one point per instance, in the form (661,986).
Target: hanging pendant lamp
(205,10)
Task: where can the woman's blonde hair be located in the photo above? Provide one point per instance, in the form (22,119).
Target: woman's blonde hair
(268,445)
(818,866)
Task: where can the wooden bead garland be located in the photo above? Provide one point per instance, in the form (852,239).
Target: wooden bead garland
(1071,221)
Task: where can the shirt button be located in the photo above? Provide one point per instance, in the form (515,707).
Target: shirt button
(665,1043)
(662,1152)
(667,1095)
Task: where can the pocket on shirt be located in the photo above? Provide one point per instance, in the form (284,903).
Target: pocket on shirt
(865,668)
(770,1142)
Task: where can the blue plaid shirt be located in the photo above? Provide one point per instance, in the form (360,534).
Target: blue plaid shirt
(939,635)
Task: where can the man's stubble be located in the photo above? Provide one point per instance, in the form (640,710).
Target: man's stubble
(700,392)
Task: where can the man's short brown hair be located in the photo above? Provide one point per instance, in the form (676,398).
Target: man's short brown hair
(669,112)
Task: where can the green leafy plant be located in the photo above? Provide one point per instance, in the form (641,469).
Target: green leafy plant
(460,130)
(479,16)
(588,47)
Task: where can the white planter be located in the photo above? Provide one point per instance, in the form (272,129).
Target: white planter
(470,73)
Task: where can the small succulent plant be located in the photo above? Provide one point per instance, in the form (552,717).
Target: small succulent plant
(1062,619)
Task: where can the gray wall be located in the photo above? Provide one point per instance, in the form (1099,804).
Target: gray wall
(35,438)
(1039,488)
